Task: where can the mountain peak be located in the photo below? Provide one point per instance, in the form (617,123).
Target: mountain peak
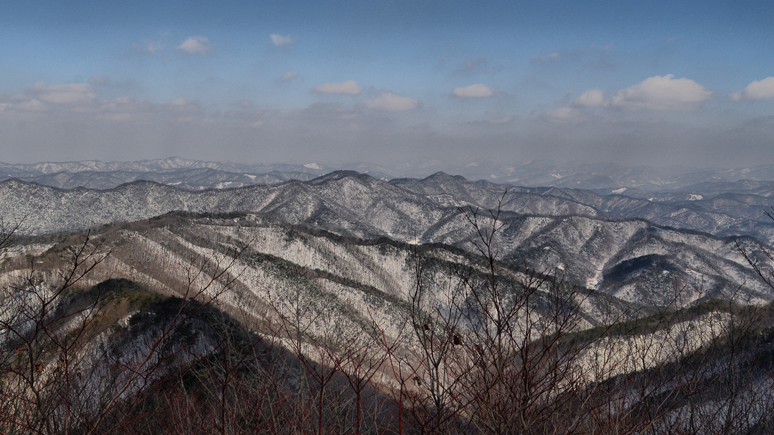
(443,176)
(341,174)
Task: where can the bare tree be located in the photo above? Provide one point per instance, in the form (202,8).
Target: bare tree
(59,370)
(493,350)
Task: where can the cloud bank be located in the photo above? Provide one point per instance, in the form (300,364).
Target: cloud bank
(390,102)
(757,90)
(658,93)
(474,91)
(565,115)
(590,98)
(72,94)
(347,88)
(662,93)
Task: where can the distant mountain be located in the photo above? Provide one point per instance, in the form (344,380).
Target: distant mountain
(726,214)
(157,165)
(186,174)
(190,179)
(603,178)
(546,229)
(345,202)
(412,205)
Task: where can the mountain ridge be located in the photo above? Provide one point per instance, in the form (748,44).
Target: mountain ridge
(585,246)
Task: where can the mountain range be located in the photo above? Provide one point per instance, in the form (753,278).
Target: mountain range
(627,247)
(165,287)
(603,178)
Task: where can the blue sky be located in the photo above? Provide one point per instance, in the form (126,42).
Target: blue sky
(388,81)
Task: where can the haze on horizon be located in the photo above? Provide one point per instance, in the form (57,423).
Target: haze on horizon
(662,82)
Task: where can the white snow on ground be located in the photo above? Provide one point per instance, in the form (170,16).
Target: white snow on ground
(616,355)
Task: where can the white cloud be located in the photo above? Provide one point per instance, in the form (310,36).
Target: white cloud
(564,115)
(290,75)
(148,46)
(279,41)
(32,106)
(196,45)
(661,93)
(349,88)
(474,91)
(68,94)
(655,93)
(79,101)
(757,90)
(391,103)
(590,98)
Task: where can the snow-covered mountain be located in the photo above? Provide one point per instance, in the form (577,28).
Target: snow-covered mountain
(187,174)
(546,229)
(364,206)
(338,262)
(604,178)
(156,165)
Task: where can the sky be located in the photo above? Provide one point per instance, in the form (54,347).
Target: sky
(336,82)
